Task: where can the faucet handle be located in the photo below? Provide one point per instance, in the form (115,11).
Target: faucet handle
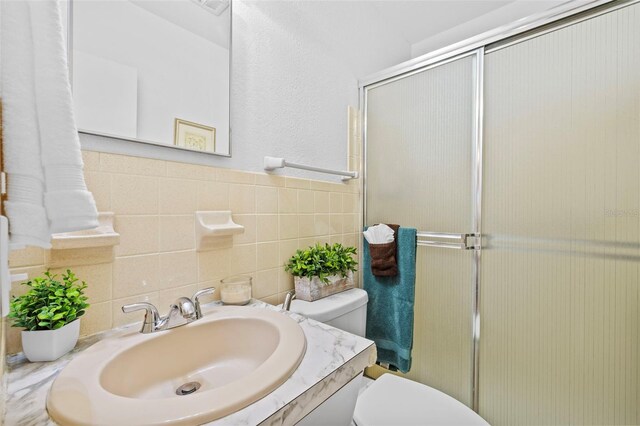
(196,299)
(151,316)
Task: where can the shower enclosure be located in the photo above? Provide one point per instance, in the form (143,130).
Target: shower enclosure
(518,161)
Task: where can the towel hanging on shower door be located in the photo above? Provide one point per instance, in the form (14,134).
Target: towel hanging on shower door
(383,249)
(391,301)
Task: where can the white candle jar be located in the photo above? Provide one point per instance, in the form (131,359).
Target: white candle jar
(236,290)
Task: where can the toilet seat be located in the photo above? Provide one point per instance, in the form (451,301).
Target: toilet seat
(394,401)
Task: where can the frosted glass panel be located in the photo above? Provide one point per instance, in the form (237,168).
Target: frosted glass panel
(419,149)
(442,323)
(419,153)
(560,340)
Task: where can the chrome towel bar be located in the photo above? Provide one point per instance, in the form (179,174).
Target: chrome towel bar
(448,240)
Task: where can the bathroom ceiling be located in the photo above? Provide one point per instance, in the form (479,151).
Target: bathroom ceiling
(415,21)
(427,25)
(419,20)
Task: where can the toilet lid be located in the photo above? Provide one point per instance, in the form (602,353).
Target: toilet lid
(331,307)
(394,401)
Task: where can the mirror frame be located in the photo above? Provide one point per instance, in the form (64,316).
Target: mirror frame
(138,140)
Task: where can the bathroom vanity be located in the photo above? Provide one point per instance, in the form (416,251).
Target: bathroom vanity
(331,366)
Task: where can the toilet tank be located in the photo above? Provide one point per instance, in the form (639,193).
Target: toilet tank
(346,310)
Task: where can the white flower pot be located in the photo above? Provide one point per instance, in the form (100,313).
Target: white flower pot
(49,345)
(314,289)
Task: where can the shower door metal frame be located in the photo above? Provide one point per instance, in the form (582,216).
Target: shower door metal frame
(490,41)
(567,12)
(476,193)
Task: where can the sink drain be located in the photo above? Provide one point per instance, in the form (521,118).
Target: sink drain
(188,388)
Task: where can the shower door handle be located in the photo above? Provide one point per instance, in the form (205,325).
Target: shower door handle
(448,240)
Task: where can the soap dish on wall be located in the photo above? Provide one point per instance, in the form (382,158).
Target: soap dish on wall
(102,236)
(215,229)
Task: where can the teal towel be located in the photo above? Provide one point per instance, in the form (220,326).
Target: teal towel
(390,307)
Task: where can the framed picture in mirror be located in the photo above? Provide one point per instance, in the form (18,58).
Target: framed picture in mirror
(194,136)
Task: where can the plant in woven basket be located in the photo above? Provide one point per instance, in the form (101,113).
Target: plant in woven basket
(322,261)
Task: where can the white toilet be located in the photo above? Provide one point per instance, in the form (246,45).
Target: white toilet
(389,400)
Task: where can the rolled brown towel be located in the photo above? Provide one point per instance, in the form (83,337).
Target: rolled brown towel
(383,256)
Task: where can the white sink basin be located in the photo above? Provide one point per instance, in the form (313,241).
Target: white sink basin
(220,364)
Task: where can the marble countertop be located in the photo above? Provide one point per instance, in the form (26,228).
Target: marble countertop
(332,359)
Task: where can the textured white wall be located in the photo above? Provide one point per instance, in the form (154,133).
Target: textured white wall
(295,69)
(296,66)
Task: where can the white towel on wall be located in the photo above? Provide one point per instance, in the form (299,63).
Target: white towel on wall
(42,157)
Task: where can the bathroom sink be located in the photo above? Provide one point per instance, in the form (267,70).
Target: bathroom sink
(191,374)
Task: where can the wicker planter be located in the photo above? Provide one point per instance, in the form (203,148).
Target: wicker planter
(314,289)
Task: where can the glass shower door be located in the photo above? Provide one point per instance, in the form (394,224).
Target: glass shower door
(421,148)
(561,261)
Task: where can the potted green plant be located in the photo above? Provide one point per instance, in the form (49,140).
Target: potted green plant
(320,271)
(50,314)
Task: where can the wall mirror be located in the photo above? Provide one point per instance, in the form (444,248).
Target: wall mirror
(153,71)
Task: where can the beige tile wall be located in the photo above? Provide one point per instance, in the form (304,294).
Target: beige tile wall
(154,203)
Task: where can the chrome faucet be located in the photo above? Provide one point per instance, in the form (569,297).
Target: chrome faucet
(182,311)
(288,298)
